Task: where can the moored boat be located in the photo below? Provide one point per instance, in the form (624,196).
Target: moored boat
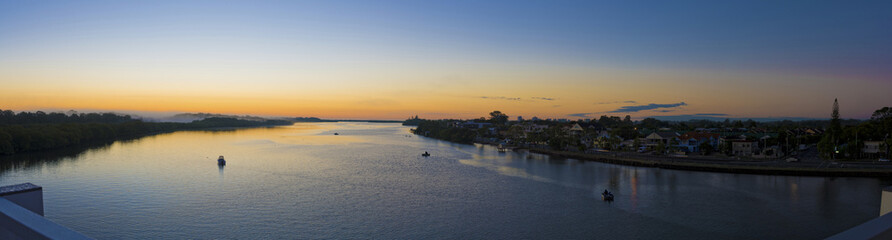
(607,196)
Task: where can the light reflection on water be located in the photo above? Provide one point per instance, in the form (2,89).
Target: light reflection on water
(370,181)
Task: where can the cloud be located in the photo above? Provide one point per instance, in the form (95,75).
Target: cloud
(665,110)
(616,102)
(502,98)
(581,115)
(652,106)
(518,99)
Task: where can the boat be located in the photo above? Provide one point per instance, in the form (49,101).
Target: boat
(502,148)
(336,134)
(607,196)
(221,161)
(425,154)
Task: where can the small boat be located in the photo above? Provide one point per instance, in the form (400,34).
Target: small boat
(221,161)
(607,196)
(425,154)
(336,134)
(502,148)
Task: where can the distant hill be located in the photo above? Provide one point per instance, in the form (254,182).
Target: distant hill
(309,119)
(189,117)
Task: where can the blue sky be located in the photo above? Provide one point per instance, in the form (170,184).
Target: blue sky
(608,48)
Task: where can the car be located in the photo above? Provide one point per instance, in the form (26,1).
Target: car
(883,160)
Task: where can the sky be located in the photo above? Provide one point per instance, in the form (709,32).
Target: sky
(449,59)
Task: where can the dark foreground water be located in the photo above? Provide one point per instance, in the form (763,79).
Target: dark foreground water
(371,182)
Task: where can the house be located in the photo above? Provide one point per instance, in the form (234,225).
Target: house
(475,125)
(532,127)
(690,141)
(769,152)
(743,147)
(603,134)
(576,129)
(665,137)
(874,148)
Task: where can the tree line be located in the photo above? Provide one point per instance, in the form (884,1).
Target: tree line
(440,129)
(28,132)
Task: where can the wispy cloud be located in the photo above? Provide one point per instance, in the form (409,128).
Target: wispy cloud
(581,115)
(616,102)
(665,110)
(652,106)
(711,114)
(519,99)
(502,98)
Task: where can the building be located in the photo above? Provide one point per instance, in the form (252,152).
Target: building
(691,141)
(475,125)
(576,129)
(655,138)
(744,148)
(874,149)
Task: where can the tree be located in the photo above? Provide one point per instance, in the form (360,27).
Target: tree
(705,148)
(750,123)
(884,113)
(725,148)
(828,144)
(835,127)
(661,148)
(497,117)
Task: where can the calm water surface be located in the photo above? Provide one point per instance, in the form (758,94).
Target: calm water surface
(370,181)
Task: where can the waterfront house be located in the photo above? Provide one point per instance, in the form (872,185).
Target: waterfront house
(665,137)
(575,129)
(873,149)
(475,125)
(528,127)
(691,141)
(744,148)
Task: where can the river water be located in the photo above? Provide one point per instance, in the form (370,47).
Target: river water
(370,181)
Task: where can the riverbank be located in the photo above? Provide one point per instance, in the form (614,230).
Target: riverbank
(35,137)
(832,169)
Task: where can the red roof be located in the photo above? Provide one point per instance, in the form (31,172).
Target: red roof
(699,135)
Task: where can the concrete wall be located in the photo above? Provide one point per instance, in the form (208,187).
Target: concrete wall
(21,215)
(886,202)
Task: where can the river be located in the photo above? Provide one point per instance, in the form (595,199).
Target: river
(370,181)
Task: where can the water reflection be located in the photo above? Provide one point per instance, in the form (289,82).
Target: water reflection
(30,160)
(301,181)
